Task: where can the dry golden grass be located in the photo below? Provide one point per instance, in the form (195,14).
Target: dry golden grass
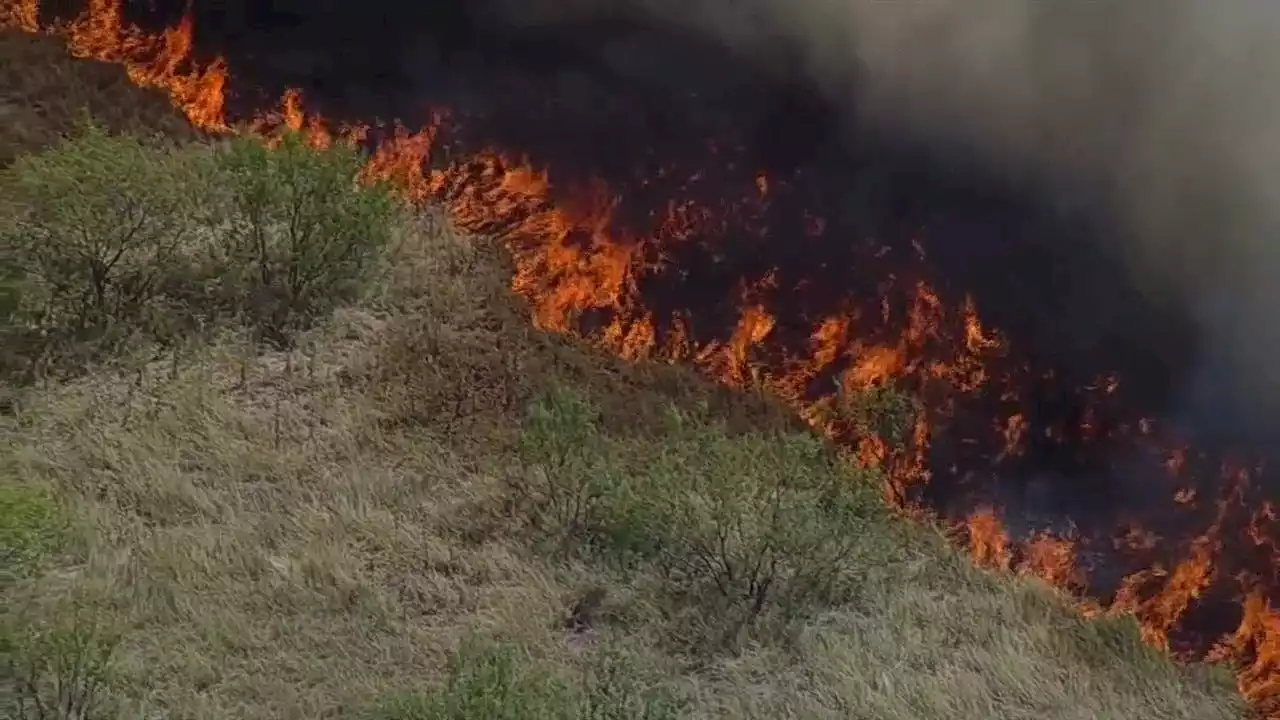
(305,534)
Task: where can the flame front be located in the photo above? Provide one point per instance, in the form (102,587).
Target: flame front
(572,260)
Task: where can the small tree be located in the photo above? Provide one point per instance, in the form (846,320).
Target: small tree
(759,519)
(881,411)
(567,466)
(92,227)
(743,521)
(299,232)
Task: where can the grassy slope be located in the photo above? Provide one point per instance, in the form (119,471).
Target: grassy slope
(297,536)
(42,94)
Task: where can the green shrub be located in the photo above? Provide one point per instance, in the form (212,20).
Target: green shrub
(108,237)
(56,672)
(736,522)
(487,681)
(298,233)
(881,411)
(614,690)
(93,227)
(757,518)
(31,528)
(568,465)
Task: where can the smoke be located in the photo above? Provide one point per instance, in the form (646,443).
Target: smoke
(1169,112)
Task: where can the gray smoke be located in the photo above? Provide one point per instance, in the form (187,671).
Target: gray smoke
(1169,110)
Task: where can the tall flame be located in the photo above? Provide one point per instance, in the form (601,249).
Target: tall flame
(570,259)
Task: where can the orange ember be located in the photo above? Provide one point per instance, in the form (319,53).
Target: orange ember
(571,259)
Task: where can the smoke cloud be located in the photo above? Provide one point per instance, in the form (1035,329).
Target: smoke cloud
(1169,112)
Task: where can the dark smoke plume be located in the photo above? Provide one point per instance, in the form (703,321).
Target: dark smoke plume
(1168,113)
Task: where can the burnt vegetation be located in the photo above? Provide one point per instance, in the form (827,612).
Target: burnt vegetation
(277,444)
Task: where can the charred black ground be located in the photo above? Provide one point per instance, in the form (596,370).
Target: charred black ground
(617,101)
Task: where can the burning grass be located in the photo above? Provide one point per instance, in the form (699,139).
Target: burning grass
(424,508)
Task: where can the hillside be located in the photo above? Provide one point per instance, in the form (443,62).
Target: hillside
(411,504)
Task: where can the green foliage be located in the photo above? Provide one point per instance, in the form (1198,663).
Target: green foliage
(614,690)
(488,682)
(95,224)
(881,411)
(299,232)
(568,460)
(56,672)
(485,683)
(760,518)
(754,519)
(31,528)
(109,237)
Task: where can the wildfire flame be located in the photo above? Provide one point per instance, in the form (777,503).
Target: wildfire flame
(571,258)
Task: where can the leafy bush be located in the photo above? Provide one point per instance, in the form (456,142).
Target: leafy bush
(613,690)
(106,237)
(94,225)
(754,519)
(881,411)
(568,465)
(758,518)
(31,528)
(487,682)
(58,672)
(299,233)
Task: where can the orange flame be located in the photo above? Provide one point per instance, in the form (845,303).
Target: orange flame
(23,15)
